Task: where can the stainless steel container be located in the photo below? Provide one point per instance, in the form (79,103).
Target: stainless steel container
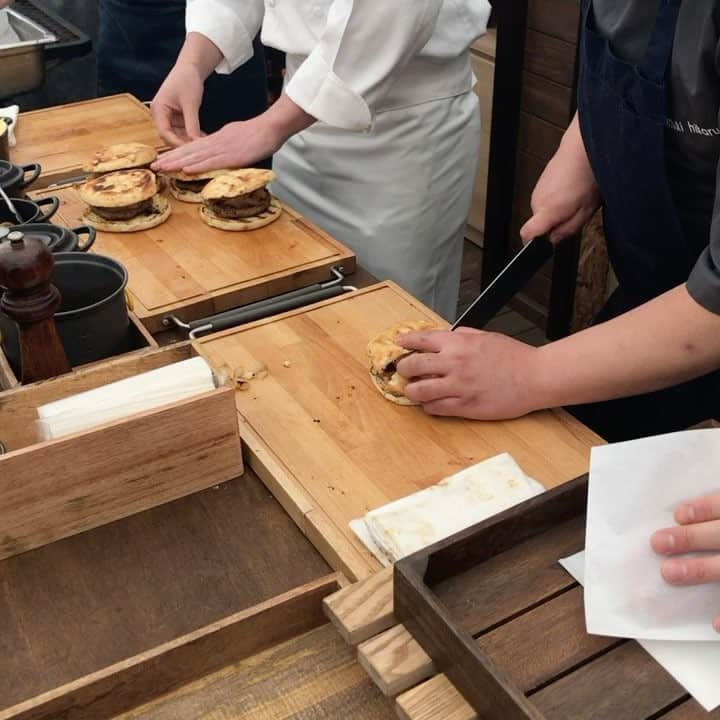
(22,64)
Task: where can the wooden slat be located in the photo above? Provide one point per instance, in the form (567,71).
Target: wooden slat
(116,470)
(63,137)
(395,661)
(364,609)
(559,18)
(338,444)
(691,710)
(626,682)
(550,58)
(311,677)
(547,100)
(538,138)
(436,699)
(545,642)
(80,605)
(181,660)
(186,268)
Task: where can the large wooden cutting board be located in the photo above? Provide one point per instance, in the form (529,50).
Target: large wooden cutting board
(187,268)
(331,447)
(63,137)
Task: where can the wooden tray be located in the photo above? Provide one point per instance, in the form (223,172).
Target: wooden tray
(188,269)
(53,489)
(330,447)
(95,624)
(516,647)
(62,138)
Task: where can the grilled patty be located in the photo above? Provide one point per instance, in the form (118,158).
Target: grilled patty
(127,212)
(194,186)
(244,206)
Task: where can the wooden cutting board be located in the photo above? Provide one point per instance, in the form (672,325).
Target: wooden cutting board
(186,268)
(331,447)
(63,137)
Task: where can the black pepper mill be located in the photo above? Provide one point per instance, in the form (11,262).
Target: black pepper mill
(30,300)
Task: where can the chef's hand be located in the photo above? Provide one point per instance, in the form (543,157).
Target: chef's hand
(469,373)
(176,107)
(566,195)
(239,144)
(5,3)
(698,529)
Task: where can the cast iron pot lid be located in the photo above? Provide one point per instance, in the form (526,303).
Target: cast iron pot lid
(58,239)
(10,174)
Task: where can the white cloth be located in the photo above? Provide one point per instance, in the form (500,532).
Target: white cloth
(352,58)
(390,168)
(10,112)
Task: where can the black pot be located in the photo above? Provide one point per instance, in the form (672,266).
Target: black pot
(31,211)
(60,239)
(92,319)
(15,178)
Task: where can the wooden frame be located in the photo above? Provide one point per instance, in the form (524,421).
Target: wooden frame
(532,658)
(126,684)
(115,469)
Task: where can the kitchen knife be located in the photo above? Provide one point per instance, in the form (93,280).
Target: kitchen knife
(508,283)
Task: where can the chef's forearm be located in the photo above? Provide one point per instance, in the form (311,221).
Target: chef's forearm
(664,342)
(287,118)
(200,52)
(572,146)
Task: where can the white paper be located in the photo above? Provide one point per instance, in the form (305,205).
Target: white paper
(120,399)
(460,501)
(634,489)
(695,665)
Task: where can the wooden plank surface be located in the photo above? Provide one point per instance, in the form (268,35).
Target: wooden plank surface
(184,659)
(626,682)
(363,610)
(345,448)
(550,58)
(85,603)
(313,677)
(62,138)
(547,100)
(65,486)
(190,269)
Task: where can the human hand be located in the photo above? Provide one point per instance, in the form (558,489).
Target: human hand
(469,373)
(176,107)
(5,3)
(239,144)
(566,195)
(698,530)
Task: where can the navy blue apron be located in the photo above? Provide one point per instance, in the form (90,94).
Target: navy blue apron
(138,42)
(622,110)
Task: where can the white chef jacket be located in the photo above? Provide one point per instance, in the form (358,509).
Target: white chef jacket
(350,59)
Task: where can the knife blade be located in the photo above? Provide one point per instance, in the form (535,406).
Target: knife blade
(508,283)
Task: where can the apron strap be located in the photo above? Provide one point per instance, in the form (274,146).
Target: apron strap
(659,51)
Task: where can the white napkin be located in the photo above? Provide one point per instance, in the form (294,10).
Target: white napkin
(125,397)
(8,36)
(11,112)
(634,488)
(693,664)
(458,502)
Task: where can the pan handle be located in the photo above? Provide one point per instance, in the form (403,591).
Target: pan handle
(35,169)
(85,230)
(54,203)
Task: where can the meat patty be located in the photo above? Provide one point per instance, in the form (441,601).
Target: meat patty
(244,206)
(194,186)
(127,212)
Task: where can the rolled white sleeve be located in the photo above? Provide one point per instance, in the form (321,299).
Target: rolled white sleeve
(230,24)
(364,44)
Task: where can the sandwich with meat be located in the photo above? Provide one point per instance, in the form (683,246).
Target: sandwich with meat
(385,353)
(188,188)
(239,200)
(124,201)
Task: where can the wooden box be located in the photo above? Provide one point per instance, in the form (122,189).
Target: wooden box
(95,624)
(330,447)
(505,622)
(64,137)
(138,341)
(52,489)
(188,269)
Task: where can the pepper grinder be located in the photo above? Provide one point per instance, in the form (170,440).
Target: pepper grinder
(30,300)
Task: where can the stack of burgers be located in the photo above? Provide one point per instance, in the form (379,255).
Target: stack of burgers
(124,195)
